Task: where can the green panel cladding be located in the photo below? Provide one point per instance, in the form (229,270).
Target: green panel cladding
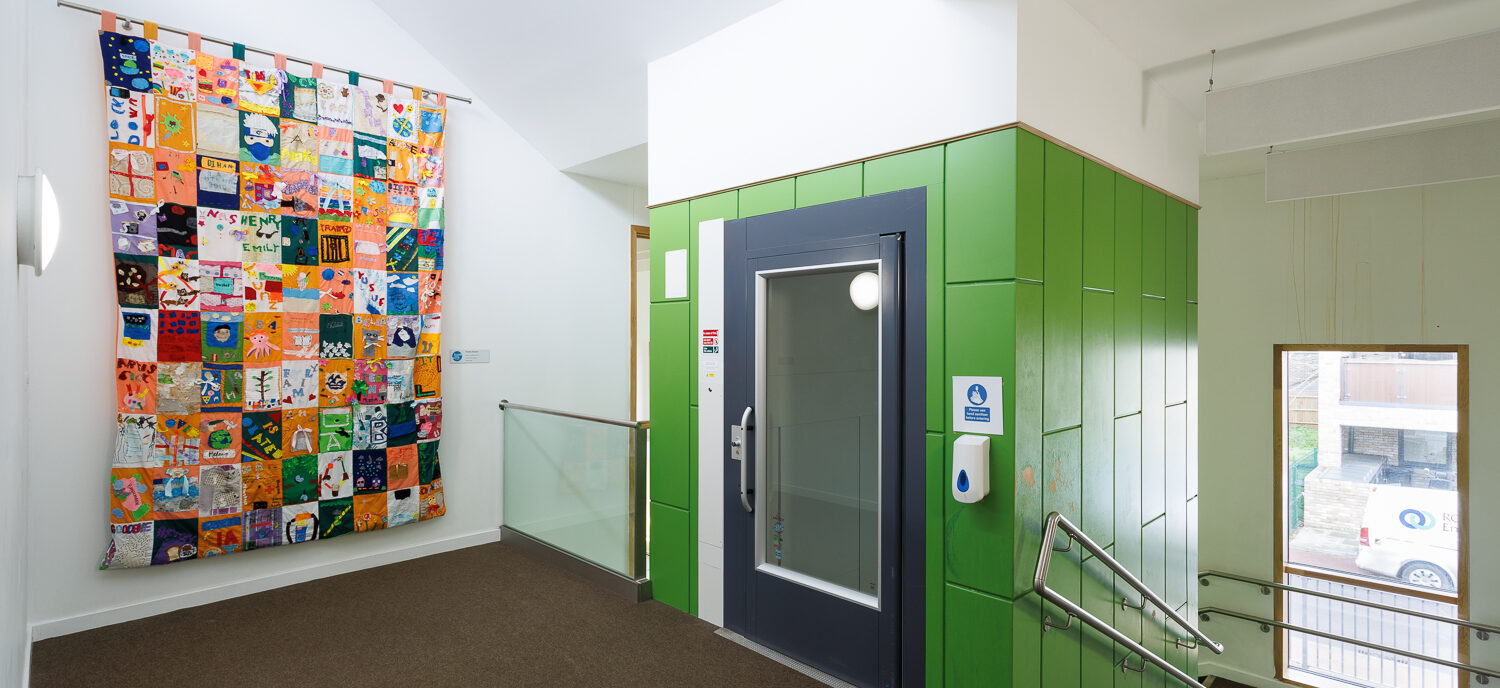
(1078,286)
(828,186)
(668,233)
(1062,288)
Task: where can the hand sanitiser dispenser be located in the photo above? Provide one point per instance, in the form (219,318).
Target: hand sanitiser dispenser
(971,468)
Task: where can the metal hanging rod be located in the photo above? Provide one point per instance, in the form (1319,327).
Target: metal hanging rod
(1481,674)
(1483,631)
(580,416)
(251,48)
(1056,522)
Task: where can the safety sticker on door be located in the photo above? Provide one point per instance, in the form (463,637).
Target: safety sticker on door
(978,405)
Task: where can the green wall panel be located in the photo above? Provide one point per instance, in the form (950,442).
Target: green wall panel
(935,585)
(671,569)
(1154,631)
(770,197)
(1176,301)
(692,542)
(1026,642)
(1153,390)
(1098,226)
(723,205)
(978,545)
(1127,548)
(980,208)
(1177,572)
(978,626)
(905,171)
(1098,417)
(1192,409)
(1060,648)
(669,469)
(1127,296)
(1029,476)
(1062,289)
(668,233)
(1096,666)
(1192,254)
(837,184)
(1062,488)
(1153,242)
(1030,177)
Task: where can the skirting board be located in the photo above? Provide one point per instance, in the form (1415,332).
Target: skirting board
(58,627)
(1211,669)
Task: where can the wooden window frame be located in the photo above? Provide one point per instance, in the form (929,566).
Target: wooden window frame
(1279,488)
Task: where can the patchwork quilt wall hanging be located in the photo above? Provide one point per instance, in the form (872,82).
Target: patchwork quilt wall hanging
(278,259)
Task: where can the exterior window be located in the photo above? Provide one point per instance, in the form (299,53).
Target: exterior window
(1371,452)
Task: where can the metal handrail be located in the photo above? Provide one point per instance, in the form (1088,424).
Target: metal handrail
(1481,675)
(1056,521)
(580,416)
(1483,630)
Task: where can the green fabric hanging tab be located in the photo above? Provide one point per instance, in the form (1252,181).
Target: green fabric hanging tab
(353,78)
(239,51)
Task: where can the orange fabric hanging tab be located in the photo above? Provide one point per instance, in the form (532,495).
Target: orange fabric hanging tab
(387,86)
(108,21)
(195,41)
(416,93)
(280,61)
(317,70)
(149,31)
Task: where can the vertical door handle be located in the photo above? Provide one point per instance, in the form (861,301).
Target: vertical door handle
(740,444)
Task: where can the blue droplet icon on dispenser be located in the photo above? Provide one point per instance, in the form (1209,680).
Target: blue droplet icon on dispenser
(963,481)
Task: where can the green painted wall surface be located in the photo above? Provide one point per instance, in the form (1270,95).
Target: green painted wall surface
(1078,286)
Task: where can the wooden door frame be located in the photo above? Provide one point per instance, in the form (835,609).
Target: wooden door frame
(1279,489)
(637,233)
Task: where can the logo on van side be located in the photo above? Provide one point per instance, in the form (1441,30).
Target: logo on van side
(1417,520)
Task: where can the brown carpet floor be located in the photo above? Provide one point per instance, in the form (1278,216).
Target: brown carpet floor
(482,616)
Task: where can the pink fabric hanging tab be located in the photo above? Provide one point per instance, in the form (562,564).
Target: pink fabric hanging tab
(387,86)
(149,30)
(442,99)
(108,21)
(239,51)
(195,41)
(280,61)
(317,70)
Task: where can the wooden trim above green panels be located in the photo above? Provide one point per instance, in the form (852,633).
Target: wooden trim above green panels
(934,144)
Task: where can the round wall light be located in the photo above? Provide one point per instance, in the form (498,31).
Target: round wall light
(38,221)
(864,290)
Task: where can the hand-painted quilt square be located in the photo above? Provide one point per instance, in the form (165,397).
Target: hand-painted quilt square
(260,90)
(218,80)
(277,246)
(299,145)
(176,125)
(132,117)
(176,176)
(133,227)
(174,72)
(127,61)
(299,98)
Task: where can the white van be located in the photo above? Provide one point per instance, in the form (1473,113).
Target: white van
(1411,534)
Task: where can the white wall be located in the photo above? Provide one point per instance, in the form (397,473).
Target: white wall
(1408,266)
(14,645)
(536,271)
(1075,85)
(810,83)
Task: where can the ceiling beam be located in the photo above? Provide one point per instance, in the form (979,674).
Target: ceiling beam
(1433,82)
(1470,151)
